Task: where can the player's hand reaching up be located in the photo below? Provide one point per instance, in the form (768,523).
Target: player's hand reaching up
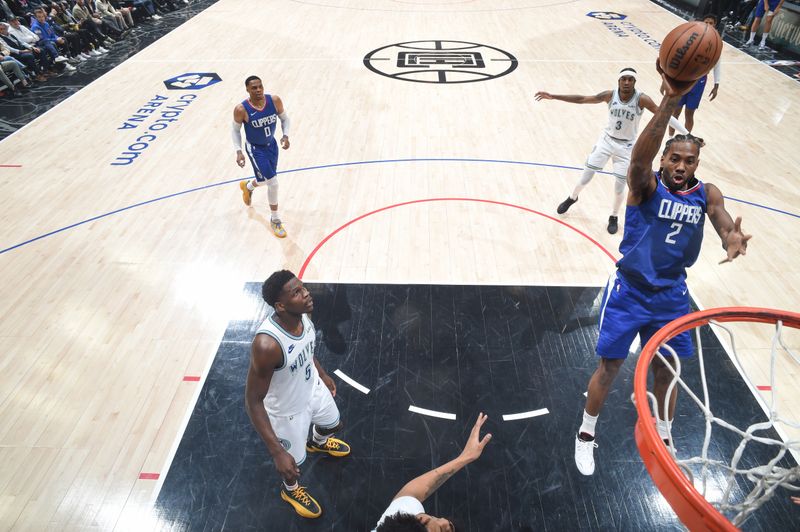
(673,87)
(736,241)
(474,447)
(541,95)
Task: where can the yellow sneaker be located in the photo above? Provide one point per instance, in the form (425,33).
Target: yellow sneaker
(304,504)
(247,195)
(333,447)
(277,228)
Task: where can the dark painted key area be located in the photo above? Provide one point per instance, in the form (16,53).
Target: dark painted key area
(462,350)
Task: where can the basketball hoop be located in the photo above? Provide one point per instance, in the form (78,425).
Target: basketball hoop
(673,476)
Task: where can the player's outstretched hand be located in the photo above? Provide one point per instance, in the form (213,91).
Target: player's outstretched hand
(541,95)
(796,500)
(736,241)
(474,447)
(285,142)
(673,87)
(287,467)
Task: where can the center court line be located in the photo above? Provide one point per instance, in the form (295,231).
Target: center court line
(525,415)
(432,413)
(341,374)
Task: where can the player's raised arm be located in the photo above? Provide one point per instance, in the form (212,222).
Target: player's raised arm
(601,97)
(641,181)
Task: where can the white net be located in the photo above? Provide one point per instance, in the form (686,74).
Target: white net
(727,476)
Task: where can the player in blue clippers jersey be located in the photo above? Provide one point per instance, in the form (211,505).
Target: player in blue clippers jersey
(260,114)
(663,233)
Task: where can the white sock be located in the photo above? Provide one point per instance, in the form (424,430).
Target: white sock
(764,38)
(751,39)
(663,427)
(318,438)
(290,488)
(251,185)
(588,424)
(274,216)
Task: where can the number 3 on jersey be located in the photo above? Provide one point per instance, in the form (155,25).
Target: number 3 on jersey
(677,226)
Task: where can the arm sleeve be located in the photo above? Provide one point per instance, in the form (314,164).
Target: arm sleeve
(717,73)
(285,123)
(677,126)
(236,135)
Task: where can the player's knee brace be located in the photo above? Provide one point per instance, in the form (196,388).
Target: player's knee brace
(619,184)
(272,190)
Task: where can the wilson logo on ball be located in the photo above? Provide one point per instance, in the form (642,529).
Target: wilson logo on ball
(675,62)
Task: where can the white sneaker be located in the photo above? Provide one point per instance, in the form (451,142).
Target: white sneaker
(95,53)
(584,456)
(84,56)
(69,68)
(762,47)
(102,50)
(61,59)
(156,17)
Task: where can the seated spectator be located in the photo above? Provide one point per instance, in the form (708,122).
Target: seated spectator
(86,21)
(125,12)
(91,44)
(22,52)
(75,44)
(27,37)
(107,12)
(48,39)
(141,9)
(9,64)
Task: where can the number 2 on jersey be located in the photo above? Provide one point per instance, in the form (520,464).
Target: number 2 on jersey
(677,226)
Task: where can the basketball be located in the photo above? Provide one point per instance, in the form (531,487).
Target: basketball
(690,51)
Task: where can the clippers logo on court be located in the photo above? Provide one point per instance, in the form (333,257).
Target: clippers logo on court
(438,61)
(192,81)
(606,15)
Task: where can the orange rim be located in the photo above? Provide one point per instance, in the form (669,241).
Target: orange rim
(691,507)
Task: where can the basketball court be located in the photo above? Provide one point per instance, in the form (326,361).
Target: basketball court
(419,197)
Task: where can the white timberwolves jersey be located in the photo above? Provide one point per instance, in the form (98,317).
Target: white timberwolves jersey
(293,381)
(623,117)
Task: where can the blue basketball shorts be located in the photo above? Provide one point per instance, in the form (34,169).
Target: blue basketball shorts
(627,311)
(264,160)
(760,6)
(692,98)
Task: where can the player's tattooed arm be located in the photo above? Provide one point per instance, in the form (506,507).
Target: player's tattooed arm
(423,486)
(600,97)
(641,181)
(734,241)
